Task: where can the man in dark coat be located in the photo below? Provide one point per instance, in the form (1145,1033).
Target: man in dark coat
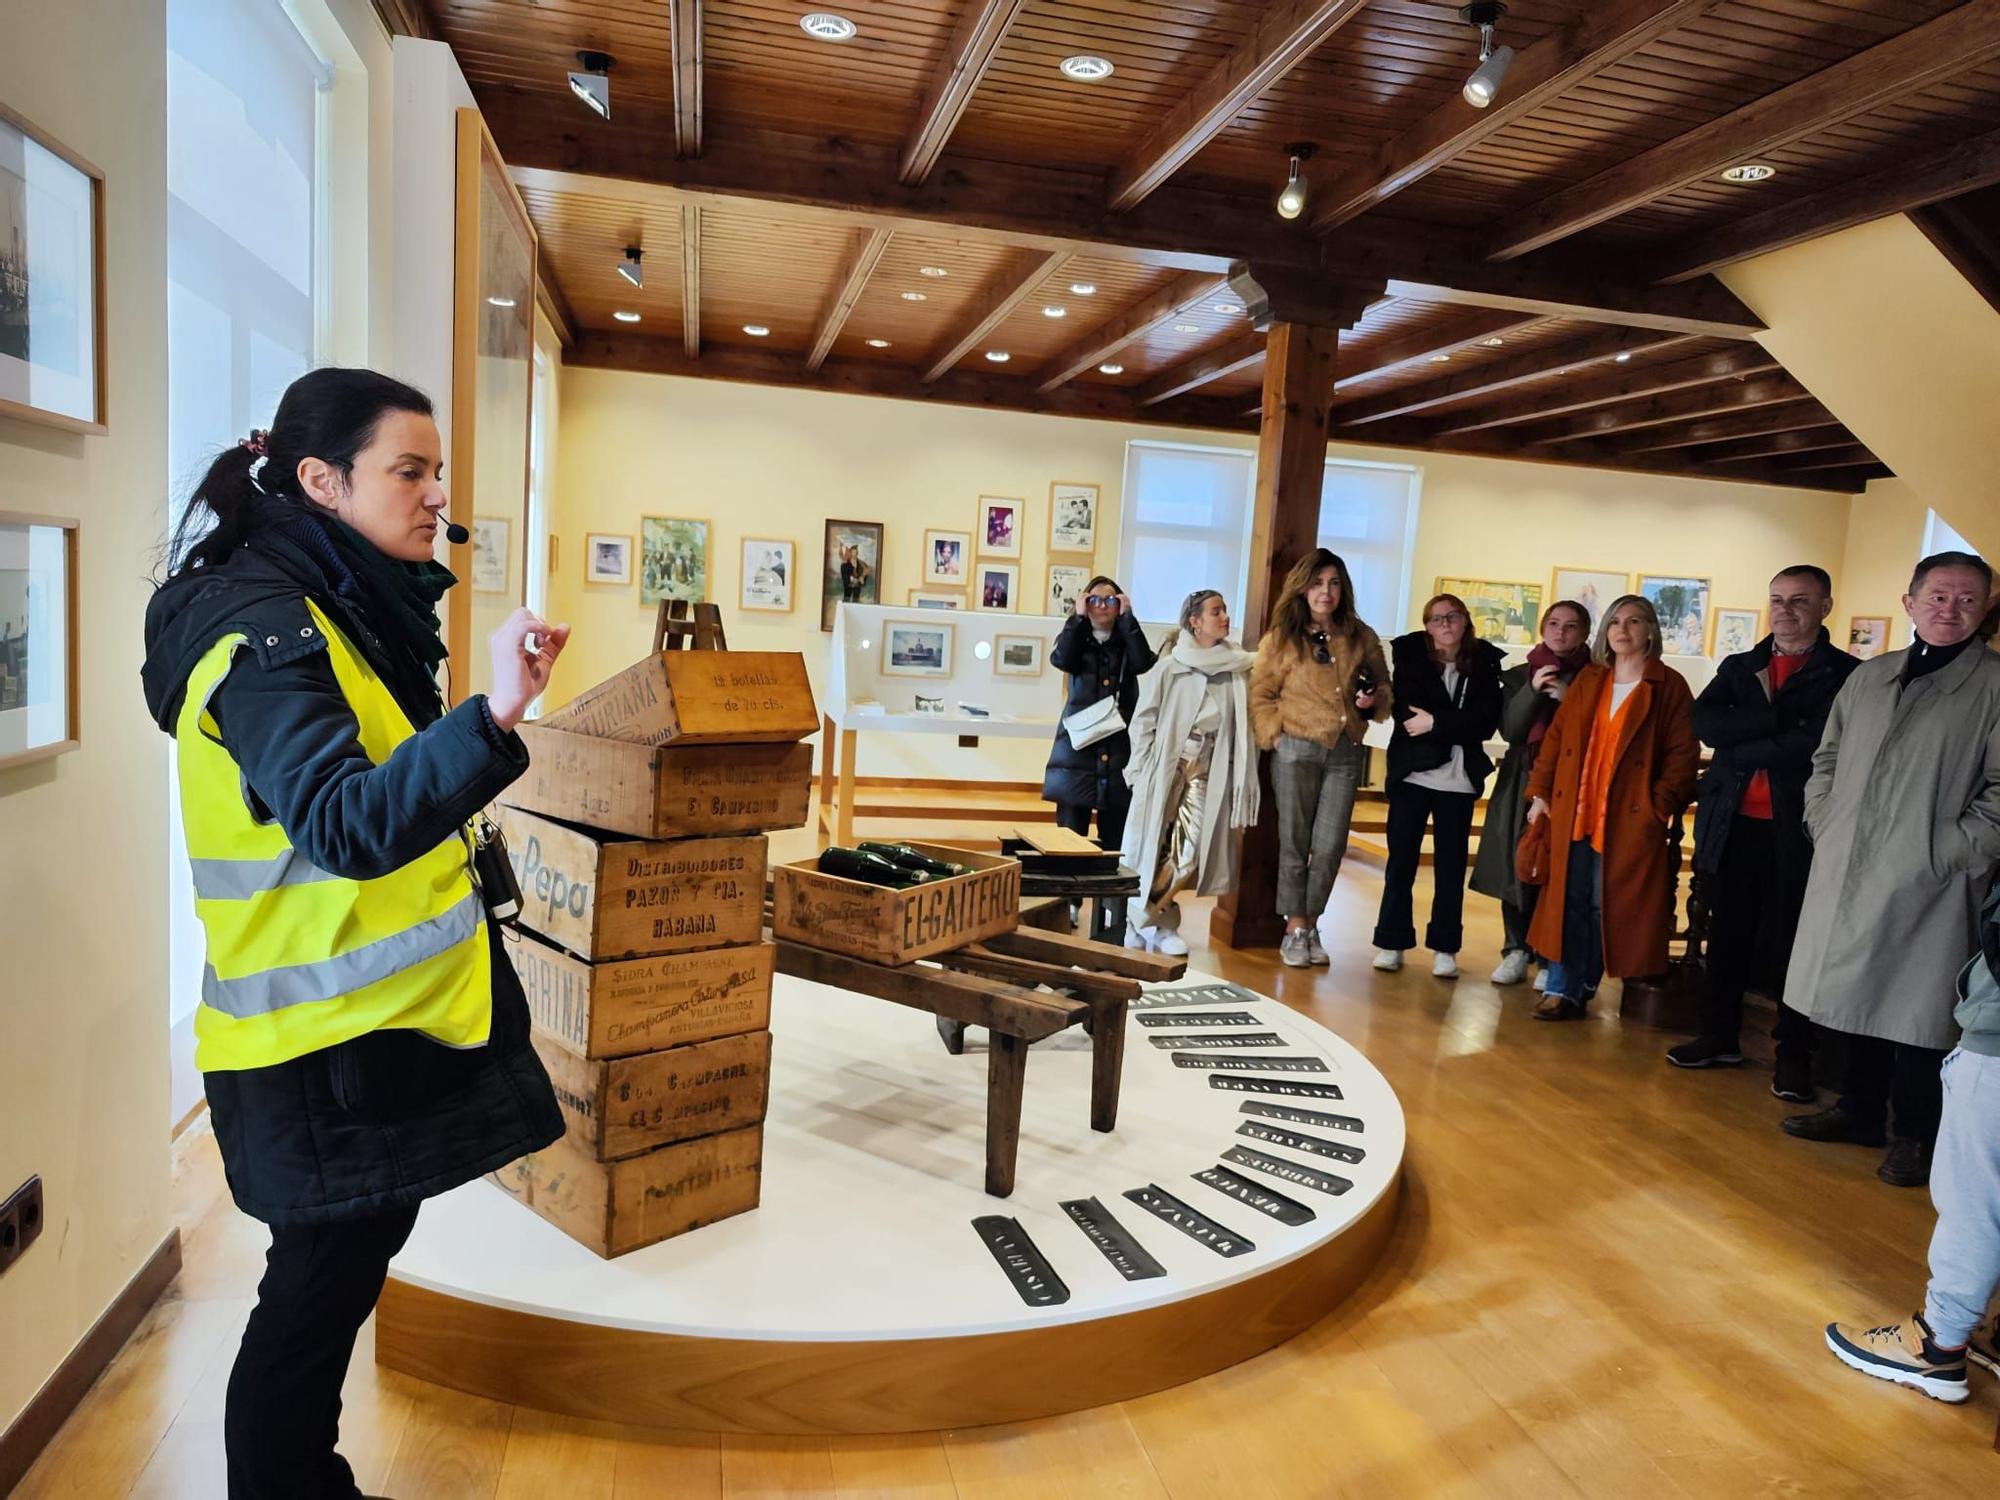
(1762,714)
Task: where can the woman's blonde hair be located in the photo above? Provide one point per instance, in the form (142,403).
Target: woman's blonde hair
(1600,649)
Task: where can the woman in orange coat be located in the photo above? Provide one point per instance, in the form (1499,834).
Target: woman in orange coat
(1616,769)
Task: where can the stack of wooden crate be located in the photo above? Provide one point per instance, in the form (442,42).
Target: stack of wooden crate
(638,834)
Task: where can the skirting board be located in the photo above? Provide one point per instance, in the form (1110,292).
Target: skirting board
(23,1441)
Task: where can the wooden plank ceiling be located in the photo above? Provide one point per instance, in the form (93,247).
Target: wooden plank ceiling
(895,212)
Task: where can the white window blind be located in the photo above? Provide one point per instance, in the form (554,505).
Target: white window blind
(1368,515)
(1186,525)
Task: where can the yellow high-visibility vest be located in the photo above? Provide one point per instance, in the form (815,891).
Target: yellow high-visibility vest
(300,958)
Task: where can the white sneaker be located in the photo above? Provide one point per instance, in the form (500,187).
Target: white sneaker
(1542,980)
(1445,966)
(1314,949)
(1168,942)
(1292,949)
(1135,937)
(1513,968)
(1388,960)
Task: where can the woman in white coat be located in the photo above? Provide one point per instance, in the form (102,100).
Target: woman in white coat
(1193,772)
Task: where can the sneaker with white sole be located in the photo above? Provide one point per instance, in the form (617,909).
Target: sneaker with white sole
(1902,1353)
(1444,966)
(1135,937)
(1983,1348)
(1542,980)
(1314,949)
(1513,967)
(1292,950)
(1388,960)
(1169,942)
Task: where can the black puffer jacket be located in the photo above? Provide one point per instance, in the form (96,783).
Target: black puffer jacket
(390,1118)
(1093,776)
(1469,717)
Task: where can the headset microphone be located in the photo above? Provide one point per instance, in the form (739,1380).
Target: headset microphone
(456,534)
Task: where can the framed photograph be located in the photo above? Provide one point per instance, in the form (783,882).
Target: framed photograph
(853,567)
(1072,517)
(489,553)
(1066,586)
(913,650)
(768,570)
(1018,655)
(1000,523)
(1507,614)
(607,558)
(998,584)
(1593,588)
(1682,604)
(948,557)
(937,598)
(1736,630)
(38,618)
(1867,636)
(51,281)
(673,559)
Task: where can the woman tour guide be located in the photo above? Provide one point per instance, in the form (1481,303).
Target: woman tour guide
(362,1036)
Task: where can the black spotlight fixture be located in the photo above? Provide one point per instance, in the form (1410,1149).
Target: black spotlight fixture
(593,84)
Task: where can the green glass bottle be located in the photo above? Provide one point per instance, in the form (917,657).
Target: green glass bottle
(855,864)
(911,859)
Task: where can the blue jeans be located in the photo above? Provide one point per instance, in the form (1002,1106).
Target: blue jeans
(1965,1186)
(1576,973)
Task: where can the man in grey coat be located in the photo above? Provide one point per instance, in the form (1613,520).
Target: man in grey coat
(1904,812)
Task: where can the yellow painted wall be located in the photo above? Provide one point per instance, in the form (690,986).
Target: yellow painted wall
(1885,537)
(83,908)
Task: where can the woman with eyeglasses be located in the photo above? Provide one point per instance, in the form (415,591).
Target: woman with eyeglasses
(1615,772)
(1447,683)
(1320,677)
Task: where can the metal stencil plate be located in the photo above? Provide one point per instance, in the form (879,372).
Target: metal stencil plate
(1298,1140)
(1113,1240)
(1265,1200)
(1287,1171)
(1020,1261)
(1201,1018)
(1293,1088)
(1249,1064)
(1196,994)
(1198,1227)
(1292,1116)
(1238,1039)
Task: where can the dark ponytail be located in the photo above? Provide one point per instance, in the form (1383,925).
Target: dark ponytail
(330,414)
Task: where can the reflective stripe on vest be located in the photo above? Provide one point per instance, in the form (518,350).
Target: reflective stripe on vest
(299,958)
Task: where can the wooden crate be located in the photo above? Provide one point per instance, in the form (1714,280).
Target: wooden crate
(622,1106)
(658,792)
(614,1207)
(642,1004)
(698,697)
(894,927)
(606,896)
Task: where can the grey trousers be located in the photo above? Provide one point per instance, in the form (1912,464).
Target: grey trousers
(1315,787)
(1965,1188)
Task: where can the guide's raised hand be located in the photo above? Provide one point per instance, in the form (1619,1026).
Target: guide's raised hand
(524,651)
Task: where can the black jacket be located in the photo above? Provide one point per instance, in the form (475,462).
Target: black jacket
(1095,776)
(1468,718)
(390,1118)
(1751,731)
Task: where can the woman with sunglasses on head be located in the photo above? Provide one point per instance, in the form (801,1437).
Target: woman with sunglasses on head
(1447,706)
(1320,677)
(1105,654)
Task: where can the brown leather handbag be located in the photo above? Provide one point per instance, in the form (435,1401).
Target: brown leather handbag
(1531,855)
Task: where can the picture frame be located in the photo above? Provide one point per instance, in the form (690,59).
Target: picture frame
(937,598)
(850,567)
(1594,588)
(1682,603)
(490,570)
(1732,631)
(53,325)
(948,558)
(1505,613)
(40,684)
(1001,518)
(1867,636)
(1066,585)
(913,648)
(607,557)
(770,574)
(1018,655)
(997,586)
(673,559)
(1073,516)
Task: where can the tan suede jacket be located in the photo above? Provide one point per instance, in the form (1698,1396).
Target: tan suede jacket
(1290,693)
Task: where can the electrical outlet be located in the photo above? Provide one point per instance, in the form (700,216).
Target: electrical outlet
(20,1221)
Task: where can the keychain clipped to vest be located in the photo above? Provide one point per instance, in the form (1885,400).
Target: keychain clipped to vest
(493,871)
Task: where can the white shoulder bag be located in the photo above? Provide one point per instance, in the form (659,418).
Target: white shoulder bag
(1094,722)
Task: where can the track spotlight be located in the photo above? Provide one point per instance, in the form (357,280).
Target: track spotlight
(1483,87)
(632,267)
(1292,197)
(593,84)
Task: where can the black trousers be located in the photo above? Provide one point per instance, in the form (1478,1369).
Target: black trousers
(283,1415)
(1751,925)
(1449,815)
(1108,921)
(1884,1076)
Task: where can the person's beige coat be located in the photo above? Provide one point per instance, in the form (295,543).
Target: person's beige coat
(1904,811)
(1290,693)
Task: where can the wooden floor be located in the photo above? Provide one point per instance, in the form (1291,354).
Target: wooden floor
(1610,1281)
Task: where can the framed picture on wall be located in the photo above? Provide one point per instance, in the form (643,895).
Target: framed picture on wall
(1867,636)
(607,558)
(1018,655)
(1593,588)
(998,585)
(1072,517)
(1736,630)
(913,650)
(1000,523)
(489,554)
(937,598)
(852,570)
(673,559)
(1506,614)
(38,668)
(51,281)
(1066,586)
(768,570)
(948,557)
(1682,605)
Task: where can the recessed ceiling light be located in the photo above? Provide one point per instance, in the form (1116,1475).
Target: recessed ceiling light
(1619,359)
(1187,328)
(625,317)
(1440,359)
(1492,343)
(1086,67)
(499,301)
(878,343)
(1111,369)
(1052,311)
(916,297)
(1084,288)
(827,27)
(756,330)
(1749,171)
(932,271)
(1230,308)
(998,356)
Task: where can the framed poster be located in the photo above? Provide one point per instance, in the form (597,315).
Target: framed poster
(673,559)
(489,554)
(1018,655)
(51,281)
(998,584)
(1736,630)
(607,558)
(913,650)
(1682,604)
(1593,588)
(1867,635)
(1000,522)
(1072,517)
(38,620)
(852,569)
(768,570)
(1066,586)
(948,557)
(1507,614)
(937,598)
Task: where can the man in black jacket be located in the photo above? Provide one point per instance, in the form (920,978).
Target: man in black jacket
(1763,714)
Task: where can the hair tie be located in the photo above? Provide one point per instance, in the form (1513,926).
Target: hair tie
(258,443)
(256,467)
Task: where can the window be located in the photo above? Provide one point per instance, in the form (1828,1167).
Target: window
(1186,525)
(1368,514)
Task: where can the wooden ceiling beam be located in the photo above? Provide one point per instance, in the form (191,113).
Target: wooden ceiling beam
(1421,345)
(1106,340)
(974,42)
(684,38)
(1574,52)
(1853,456)
(848,285)
(1655,380)
(406,18)
(1192,374)
(1796,416)
(1668,407)
(550,299)
(1500,375)
(1283,37)
(691,279)
(1581,294)
(1775,445)
(1955,42)
(1005,292)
